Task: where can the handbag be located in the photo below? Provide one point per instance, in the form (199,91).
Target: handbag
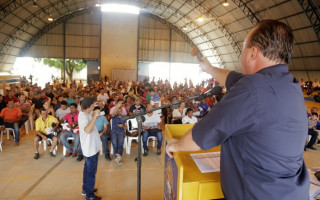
(154,130)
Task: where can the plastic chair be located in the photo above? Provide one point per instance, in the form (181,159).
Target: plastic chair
(45,145)
(8,133)
(130,139)
(153,141)
(64,148)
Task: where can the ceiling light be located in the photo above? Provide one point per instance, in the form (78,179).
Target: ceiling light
(225,3)
(120,8)
(34,4)
(200,19)
(98,4)
(184,28)
(50,19)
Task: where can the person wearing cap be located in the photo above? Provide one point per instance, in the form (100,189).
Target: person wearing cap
(90,145)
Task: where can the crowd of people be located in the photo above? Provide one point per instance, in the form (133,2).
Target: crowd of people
(55,109)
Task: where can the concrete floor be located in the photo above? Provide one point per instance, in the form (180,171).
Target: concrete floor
(22,177)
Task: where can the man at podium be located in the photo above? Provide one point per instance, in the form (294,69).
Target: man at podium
(260,123)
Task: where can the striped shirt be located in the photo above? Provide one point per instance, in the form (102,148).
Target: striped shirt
(23,106)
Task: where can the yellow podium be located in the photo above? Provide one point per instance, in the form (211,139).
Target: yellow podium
(183,179)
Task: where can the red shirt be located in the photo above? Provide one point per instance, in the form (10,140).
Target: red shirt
(7,98)
(11,115)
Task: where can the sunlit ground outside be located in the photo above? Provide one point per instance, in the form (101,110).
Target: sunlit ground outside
(177,72)
(41,73)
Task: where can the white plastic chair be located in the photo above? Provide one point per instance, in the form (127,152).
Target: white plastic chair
(45,145)
(8,133)
(64,148)
(130,139)
(154,138)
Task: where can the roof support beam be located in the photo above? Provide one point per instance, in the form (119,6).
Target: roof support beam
(313,15)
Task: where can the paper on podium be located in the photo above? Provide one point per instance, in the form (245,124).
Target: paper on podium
(314,183)
(207,162)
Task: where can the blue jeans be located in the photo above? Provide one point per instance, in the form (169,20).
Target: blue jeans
(104,140)
(15,127)
(76,141)
(117,140)
(89,175)
(146,135)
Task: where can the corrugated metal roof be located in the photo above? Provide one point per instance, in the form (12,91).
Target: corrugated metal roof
(219,35)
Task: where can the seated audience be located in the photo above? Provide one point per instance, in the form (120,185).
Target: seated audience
(120,104)
(11,116)
(312,122)
(46,125)
(189,118)
(136,107)
(118,132)
(63,110)
(103,96)
(11,96)
(178,114)
(102,126)
(2,103)
(24,106)
(70,98)
(151,127)
(204,106)
(68,131)
(49,108)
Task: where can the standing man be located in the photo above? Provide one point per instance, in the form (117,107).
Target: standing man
(90,144)
(260,123)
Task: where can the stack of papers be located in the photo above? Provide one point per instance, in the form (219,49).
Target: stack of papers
(207,162)
(314,183)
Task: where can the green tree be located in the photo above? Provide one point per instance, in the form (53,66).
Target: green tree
(71,64)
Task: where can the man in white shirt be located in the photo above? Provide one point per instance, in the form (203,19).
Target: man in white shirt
(189,118)
(103,96)
(151,127)
(91,145)
(63,110)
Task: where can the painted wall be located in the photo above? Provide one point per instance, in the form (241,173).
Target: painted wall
(119,39)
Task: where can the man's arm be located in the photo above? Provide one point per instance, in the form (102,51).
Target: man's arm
(219,74)
(104,129)
(18,119)
(186,143)
(43,136)
(91,125)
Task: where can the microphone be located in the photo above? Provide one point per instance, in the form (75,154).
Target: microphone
(214,91)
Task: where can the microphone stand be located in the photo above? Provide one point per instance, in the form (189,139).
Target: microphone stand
(139,117)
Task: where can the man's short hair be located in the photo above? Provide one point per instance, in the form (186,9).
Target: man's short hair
(151,90)
(73,104)
(64,103)
(87,102)
(188,110)
(9,100)
(274,39)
